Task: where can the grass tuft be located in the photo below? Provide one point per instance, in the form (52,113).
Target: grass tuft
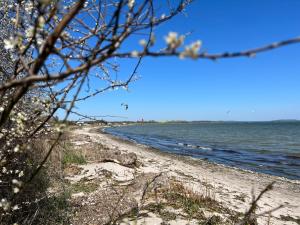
(71,157)
(192,204)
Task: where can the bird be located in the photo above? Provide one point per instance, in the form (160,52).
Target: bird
(125,105)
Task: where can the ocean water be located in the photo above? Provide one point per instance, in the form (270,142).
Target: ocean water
(265,147)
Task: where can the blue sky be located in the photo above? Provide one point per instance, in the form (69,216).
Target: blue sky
(262,88)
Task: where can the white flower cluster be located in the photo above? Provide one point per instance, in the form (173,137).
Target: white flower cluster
(13,150)
(26,27)
(174,41)
(134,53)
(143,42)
(131,3)
(4,204)
(191,50)
(10,43)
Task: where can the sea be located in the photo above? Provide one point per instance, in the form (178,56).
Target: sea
(265,147)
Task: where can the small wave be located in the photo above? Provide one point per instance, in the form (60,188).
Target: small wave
(204,148)
(194,146)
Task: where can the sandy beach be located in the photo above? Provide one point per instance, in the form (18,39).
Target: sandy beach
(231,187)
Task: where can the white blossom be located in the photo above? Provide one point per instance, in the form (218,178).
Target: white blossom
(4,170)
(17,182)
(16,190)
(134,53)
(41,21)
(15,207)
(131,3)
(173,41)
(191,50)
(17,148)
(21,174)
(5,204)
(14,20)
(10,43)
(143,42)
(14,181)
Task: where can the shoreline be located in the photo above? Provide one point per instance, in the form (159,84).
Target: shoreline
(230,186)
(192,159)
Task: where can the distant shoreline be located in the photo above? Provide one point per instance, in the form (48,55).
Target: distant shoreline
(112,123)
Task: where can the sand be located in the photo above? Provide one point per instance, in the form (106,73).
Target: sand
(231,186)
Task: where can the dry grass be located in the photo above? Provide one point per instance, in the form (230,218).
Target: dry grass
(195,204)
(48,209)
(175,201)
